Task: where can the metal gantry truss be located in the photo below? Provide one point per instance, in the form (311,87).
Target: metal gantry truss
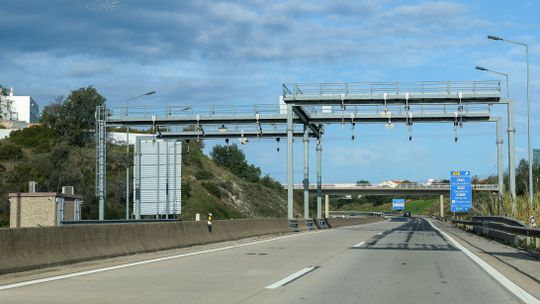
(306,109)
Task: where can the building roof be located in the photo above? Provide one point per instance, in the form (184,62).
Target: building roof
(44,194)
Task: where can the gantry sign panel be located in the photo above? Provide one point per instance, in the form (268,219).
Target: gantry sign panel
(157,178)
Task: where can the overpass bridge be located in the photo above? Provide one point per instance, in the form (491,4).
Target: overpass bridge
(402,189)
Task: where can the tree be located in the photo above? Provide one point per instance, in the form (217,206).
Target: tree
(73,118)
(363,181)
(522,177)
(6,105)
(234,159)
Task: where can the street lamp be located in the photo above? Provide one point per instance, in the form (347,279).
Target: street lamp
(529,135)
(499,73)
(127,149)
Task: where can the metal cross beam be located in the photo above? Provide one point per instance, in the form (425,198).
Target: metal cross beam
(305,119)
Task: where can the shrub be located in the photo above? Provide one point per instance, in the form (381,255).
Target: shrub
(187,189)
(32,137)
(9,151)
(271,183)
(234,159)
(212,189)
(203,174)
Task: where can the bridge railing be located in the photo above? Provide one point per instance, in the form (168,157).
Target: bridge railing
(391,88)
(412,186)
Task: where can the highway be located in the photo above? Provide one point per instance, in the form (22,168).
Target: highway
(396,261)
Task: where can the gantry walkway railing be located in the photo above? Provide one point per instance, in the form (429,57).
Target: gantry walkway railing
(419,92)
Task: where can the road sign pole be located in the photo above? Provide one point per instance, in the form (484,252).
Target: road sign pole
(500,158)
(290,167)
(511,155)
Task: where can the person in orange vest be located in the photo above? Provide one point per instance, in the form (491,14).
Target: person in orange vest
(209,221)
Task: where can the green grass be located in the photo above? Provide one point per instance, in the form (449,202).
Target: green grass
(423,206)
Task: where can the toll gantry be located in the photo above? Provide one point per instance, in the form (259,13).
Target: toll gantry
(303,111)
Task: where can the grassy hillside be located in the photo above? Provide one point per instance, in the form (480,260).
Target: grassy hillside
(215,189)
(36,154)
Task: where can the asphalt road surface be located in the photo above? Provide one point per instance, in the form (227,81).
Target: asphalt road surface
(399,261)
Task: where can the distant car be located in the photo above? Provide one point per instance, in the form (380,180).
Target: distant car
(407,214)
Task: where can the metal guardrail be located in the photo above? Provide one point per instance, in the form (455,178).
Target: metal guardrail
(93,222)
(391,88)
(354,213)
(498,219)
(517,230)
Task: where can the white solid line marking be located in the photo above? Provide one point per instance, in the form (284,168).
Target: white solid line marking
(81,273)
(359,244)
(291,278)
(507,283)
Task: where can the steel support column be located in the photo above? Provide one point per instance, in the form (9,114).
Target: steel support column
(290,167)
(441,206)
(306,172)
(127,173)
(319,178)
(137,180)
(101,159)
(326,206)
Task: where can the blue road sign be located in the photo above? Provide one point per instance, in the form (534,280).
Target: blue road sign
(460,191)
(398,204)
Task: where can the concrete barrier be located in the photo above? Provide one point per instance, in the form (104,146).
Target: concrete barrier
(31,248)
(340,222)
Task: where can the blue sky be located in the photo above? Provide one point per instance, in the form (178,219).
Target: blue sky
(240,52)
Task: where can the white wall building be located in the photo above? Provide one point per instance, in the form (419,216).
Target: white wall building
(390,184)
(24,108)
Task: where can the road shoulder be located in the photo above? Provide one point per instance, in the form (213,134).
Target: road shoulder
(520,267)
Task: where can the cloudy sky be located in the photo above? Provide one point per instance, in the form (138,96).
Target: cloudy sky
(240,52)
